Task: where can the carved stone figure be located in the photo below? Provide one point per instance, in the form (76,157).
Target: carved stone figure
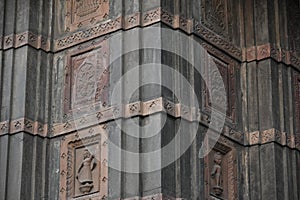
(216,173)
(84,173)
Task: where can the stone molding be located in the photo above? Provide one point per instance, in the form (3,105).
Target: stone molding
(189,26)
(23,124)
(159,105)
(151,107)
(272,135)
(25,38)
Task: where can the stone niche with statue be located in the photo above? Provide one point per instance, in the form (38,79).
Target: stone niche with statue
(83,169)
(220,173)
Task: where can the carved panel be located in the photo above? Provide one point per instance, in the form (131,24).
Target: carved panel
(87,76)
(296,83)
(81,13)
(216,15)
(228,73)
(83,167)
(221,173)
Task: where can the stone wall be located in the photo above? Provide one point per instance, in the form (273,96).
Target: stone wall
(62,60)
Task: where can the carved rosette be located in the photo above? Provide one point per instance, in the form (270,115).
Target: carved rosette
(87,77)
(220,172)
(83,165)
(81,13)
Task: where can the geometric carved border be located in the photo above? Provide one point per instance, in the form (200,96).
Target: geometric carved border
(84,165)
(221,160)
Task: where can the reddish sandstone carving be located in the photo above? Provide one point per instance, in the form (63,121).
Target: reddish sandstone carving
(87,77)
(80,13)
(216,174)
(84,173)
(221,171)
(82,167)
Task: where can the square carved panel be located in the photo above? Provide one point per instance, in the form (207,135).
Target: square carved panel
(220,173)
(83,165)
(87,77)
(81,13)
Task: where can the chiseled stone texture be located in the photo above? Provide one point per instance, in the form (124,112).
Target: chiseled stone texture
(44,45)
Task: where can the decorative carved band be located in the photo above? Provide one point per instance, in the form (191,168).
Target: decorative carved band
(139,108)
(144,109)
(272,135)
(23,124)
(218,41)
(25,38)
(190,26)
(104,115)
(265,51)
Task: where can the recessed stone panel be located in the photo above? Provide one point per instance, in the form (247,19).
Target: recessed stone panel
(228,72)
(220,176)
(87,77)
(83,165)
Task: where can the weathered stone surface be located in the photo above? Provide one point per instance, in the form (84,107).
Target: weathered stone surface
(57,79)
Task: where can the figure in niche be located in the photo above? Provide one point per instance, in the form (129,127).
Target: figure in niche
(216,173)
(84,173)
